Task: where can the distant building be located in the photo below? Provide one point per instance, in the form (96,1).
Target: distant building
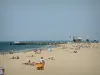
(77,39)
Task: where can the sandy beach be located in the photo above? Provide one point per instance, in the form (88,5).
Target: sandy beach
(85,62)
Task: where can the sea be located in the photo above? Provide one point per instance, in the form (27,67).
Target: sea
(7,47)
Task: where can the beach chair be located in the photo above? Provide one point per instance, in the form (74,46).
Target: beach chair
(40,66)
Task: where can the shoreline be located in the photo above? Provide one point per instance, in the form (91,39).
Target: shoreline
(28,48)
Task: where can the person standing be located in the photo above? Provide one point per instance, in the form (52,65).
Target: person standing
(1,71)
(42,61)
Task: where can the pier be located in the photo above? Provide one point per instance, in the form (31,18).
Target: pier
(37,43)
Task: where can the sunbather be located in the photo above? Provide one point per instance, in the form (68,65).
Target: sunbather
(27,63)
(52,58)
(13,57)
(75,51)
(17,57)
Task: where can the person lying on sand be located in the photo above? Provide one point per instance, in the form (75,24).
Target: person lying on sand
(51,58)
(27,63)
(75,51)
(15,57)
(31,56)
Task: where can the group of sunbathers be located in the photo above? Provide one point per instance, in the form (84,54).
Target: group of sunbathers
(40,66)
(51,58)
(15,57)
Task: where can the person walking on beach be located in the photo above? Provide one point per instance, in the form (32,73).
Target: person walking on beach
(1,71)
(42,61)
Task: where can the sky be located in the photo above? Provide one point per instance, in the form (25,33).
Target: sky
(28,20)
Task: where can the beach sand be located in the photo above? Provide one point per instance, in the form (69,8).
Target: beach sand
(85,62)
